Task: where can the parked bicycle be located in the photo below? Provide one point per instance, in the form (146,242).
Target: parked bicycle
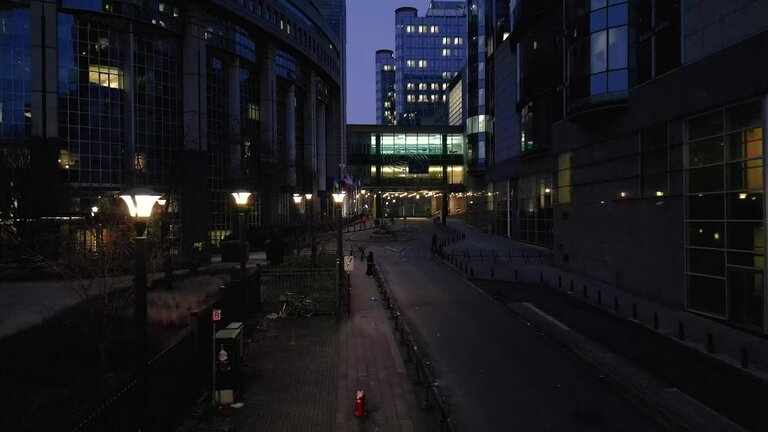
(296,304)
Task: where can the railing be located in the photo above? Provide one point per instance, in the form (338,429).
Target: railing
(430,394)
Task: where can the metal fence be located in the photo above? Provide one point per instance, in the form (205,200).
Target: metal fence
(318,284)
(171,382)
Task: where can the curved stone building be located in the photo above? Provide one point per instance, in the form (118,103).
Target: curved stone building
(190,98)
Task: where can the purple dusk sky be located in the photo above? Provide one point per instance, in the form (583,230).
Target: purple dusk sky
(370,27)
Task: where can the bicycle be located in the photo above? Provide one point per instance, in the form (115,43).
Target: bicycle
(296,304)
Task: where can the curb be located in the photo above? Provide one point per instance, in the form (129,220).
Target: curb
(669,406)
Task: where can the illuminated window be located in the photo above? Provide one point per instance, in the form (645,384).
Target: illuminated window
(105,76)
(446,40)
(458,41)
(409,29)
(422,29)
(422,63)
(409,86)
(434,29)
(410,63)
(253,111)
(446,52)
(422,86)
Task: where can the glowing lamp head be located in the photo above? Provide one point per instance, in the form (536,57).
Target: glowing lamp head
(296,198)
(338,197)
(140,202)
(241,197)
(308,196)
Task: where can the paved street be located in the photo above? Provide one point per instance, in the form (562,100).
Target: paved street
(500,372)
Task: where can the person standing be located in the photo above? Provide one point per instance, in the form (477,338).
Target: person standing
(369,269)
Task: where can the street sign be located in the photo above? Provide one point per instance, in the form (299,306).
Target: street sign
(217,314)
(349,263)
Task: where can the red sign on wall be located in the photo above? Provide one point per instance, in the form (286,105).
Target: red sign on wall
(217,314)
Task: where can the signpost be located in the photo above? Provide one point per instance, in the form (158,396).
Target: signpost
(215,316)
(349,263)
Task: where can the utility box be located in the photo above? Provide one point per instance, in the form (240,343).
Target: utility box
(229,358)
(237,325)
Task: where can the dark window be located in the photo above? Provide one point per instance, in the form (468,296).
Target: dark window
(658,37)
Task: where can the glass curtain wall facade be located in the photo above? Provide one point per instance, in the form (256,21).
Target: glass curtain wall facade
(410,159)
(429,52)
(479,127)
(385,88)
(15,64)
(724,209)
(128,109)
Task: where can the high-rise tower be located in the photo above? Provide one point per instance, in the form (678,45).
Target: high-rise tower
(385,87)
(429,51)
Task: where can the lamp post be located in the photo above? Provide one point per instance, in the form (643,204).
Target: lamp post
(241,199)
(338,198)
(140,203)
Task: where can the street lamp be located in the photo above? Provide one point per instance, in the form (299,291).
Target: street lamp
(338,198)
(241,199)
(140,203)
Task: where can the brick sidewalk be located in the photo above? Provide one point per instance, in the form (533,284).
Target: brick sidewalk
(301,374)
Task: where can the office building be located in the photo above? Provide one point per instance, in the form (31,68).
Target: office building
(429,51)
(640,159)
(385,87)
(192,99)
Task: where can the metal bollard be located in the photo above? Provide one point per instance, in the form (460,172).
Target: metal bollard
(425,403)
(744,358)
(710,343)
(417,368)
(559,281)
(492,275)
(402,335)
(655,321)
(541,277)
(599,297)
(680,331)
(471,271)
(634,311)
(616,304)
(585,290)
(571,285)
(517,276)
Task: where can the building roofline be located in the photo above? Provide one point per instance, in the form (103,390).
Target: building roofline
(406,9)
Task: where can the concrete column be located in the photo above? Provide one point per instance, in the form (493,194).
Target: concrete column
(321,148)
(129,109)
(309,164)
(235,113)
(43,32)
(194,81)
(194,184)
(270,188)
(290,136)
(445,206)
(44,143)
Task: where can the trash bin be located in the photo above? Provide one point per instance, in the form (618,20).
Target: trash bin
(229,357)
